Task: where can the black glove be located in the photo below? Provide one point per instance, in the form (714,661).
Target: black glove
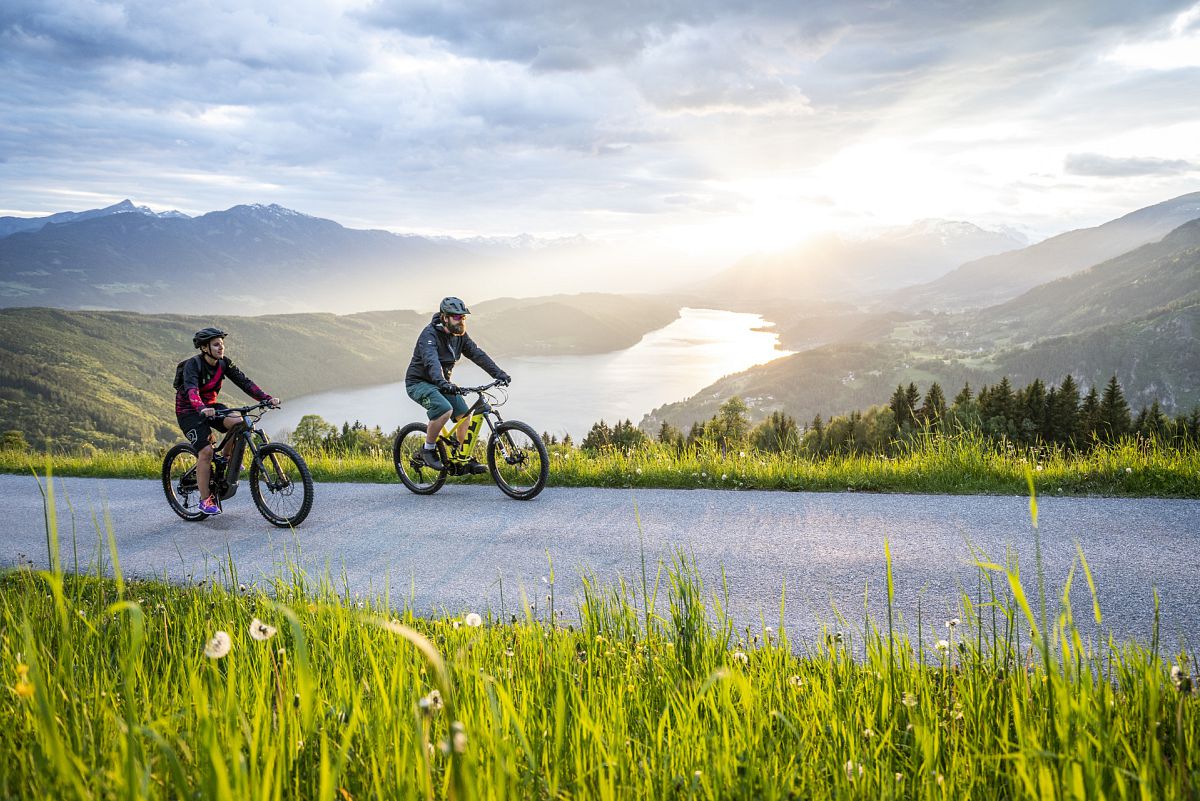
(446,388)
(504,378)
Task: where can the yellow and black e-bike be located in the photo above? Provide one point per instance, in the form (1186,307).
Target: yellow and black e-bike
(516,456)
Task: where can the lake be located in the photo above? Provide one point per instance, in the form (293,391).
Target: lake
(567,394)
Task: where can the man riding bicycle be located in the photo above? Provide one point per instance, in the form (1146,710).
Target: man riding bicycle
(197,383)
(427,381)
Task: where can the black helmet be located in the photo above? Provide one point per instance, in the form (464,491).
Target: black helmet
(453,306)
(202,337)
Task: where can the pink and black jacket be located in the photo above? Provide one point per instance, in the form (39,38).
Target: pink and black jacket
(201,383)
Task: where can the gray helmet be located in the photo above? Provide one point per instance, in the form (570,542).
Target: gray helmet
(204,335)
(453,306)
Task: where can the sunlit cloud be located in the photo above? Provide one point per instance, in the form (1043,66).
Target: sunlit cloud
(1177,48)
(719,128)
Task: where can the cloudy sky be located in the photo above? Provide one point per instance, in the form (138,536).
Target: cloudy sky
(718,127)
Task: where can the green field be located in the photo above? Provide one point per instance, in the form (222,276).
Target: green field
(951,465)
(131,689)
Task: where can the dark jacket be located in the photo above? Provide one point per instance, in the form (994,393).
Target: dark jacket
(437,351)
(200,382)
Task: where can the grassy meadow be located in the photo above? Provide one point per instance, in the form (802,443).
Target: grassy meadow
(951,465)
(131,689)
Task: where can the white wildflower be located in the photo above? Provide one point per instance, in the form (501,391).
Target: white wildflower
(458,739)
(261,631)
(850,766)
(942,646)
(739,656)
(1128,469)
(218,646)
(908,699)
(473,620)
(431,704)
(952,623)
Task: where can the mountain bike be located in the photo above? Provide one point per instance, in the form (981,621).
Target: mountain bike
(280,482)
(516,456)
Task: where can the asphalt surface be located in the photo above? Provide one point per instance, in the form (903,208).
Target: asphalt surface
(462,548)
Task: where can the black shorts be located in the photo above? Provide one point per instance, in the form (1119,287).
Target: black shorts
(198,428)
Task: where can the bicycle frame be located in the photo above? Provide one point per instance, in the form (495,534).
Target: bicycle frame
(246,435)
(481,412)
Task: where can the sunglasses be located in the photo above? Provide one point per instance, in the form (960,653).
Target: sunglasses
(456,317)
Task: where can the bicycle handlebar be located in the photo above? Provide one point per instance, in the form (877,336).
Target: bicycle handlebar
(266,404)
(483,387)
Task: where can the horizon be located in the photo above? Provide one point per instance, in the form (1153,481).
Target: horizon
(706,131)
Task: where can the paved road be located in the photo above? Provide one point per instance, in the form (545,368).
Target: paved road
(457,550)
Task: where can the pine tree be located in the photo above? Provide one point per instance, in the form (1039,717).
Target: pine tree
(1029,406)
(912,398)
(817,434)
(1155,424)
(1114,412)
(899,406)
(669,434)
(964,395)
(599,437)
(933,410)
(777,434)
(1089,416)
(1062,422)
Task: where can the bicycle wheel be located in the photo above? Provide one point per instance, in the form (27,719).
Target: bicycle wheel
(179,482)
(518,460)
(281,485)
(406,456)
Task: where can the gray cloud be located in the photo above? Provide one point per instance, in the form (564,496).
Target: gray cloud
(1095,164)
(493,113)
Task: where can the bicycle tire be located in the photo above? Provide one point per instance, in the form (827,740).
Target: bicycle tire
(515,474)
(281,488)
(404,451)
(173,473)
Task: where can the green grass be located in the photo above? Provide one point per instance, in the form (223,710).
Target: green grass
(951,465)
(624,694)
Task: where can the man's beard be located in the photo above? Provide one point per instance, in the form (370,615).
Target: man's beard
(458,329)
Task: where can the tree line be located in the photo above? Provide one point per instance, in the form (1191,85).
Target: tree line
(1037,414)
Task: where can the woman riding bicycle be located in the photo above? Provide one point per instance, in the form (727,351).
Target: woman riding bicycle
(197,383)
(427,381)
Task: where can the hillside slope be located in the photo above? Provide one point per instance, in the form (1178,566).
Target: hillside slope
(104,378)
(996,279)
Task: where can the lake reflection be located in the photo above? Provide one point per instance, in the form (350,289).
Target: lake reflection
(562,394)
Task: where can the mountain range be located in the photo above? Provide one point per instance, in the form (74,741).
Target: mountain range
(1119,298)
(249,259)
(1134,314)
(997,278)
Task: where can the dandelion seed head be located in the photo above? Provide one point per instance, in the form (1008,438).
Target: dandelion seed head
(908,699)
(943,646)
(218,647)
(740,656)
(1128,469)
(952,623)
(473,620)
(261,631)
